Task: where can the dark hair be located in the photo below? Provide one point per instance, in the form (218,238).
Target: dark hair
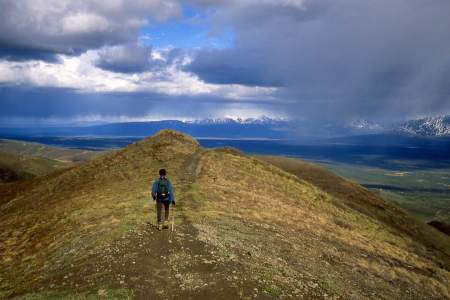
(162,172)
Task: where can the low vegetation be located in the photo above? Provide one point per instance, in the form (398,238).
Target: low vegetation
(39,150)
(359,198)
(246,227)
(19,167)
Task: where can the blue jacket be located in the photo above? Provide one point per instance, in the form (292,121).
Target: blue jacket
(155,190)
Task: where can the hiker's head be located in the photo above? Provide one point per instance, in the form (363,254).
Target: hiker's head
(162,172)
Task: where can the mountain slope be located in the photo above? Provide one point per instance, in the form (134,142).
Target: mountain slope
(16,167)
(244,228)
(40,150)
(361,199)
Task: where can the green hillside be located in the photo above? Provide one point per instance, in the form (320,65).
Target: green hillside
(356,197)
(246,228)
(18,167)
(40,150)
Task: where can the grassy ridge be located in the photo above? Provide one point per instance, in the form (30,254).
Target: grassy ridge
(245,228)
(301,234)
(56,224)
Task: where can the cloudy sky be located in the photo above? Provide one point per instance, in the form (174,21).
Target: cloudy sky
(64,61)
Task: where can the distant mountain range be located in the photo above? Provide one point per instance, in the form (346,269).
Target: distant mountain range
(262,128)
(426,127)
(236,128)
(433,126)
(264,120)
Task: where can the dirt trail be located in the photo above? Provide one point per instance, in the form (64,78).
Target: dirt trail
(173,265)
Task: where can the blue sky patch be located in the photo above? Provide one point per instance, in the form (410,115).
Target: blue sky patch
(192,31)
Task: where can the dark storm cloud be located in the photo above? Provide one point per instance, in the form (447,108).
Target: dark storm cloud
(27,101)
(244,68)
(31,103)
(20,54)
(70,26)
(126,59)
(338,58)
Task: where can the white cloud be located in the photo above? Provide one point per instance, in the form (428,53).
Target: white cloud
(84,23)
(67,26)
(82,74)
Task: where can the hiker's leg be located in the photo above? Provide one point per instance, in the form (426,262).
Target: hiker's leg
(158,211)
(166,211)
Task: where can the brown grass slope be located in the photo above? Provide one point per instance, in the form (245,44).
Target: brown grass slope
(361,199)
(245,229)
(40,150)
(18,167)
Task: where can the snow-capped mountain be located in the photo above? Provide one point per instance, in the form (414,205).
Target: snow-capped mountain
(432,126)
(361,124)
(263,120)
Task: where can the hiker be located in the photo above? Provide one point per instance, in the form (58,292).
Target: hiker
(162,193)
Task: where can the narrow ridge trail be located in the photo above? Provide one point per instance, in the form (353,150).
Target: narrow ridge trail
(173,265)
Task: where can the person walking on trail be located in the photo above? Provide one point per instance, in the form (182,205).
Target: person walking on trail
(162,193)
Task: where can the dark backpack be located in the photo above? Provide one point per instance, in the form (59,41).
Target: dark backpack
(162,192)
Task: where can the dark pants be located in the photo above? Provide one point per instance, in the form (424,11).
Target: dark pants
(159,206)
